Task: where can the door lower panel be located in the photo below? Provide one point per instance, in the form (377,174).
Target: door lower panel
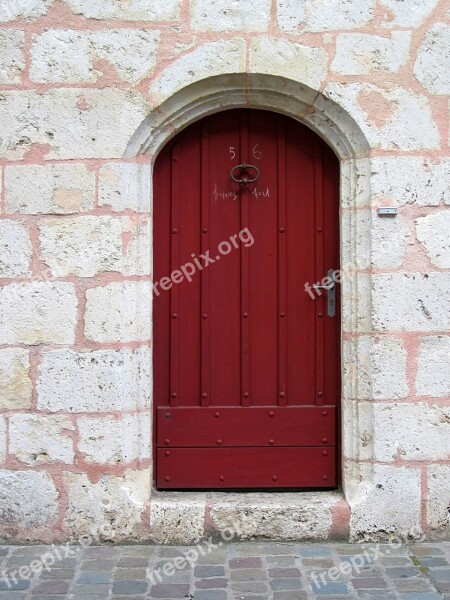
(198,468)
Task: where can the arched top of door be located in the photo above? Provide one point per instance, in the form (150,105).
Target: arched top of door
(243,90)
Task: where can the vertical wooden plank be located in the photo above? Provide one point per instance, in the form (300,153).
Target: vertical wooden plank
(205,275)
(320,315)
(282,267)
(245,275)
(174,264)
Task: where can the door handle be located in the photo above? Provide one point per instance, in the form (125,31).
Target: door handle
(331,294)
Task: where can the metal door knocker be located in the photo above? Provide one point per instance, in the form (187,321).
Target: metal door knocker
(245,180)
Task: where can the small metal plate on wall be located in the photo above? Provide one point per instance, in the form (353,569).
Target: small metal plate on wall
(387,211)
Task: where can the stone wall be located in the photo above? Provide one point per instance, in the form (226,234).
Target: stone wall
(89,92)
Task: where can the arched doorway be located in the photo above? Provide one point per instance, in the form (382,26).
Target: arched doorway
(246,350)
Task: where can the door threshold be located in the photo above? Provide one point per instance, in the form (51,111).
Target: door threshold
(191,517)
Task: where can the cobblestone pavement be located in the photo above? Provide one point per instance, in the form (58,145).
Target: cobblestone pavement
(244,571)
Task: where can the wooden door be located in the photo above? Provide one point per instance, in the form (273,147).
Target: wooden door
(246,356)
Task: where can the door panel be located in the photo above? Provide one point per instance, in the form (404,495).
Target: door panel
(246,363)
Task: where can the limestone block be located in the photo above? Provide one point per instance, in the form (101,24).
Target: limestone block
(97,381)
(58,188)
(411,432)
(394,119)
(433,366)
(38,313)
(110,509)
(69,56)
(15,382)
(105,440)
(82,246)
(12,59)
(223,15)
(35,439)
(411,302)
(207,60)
(27,499)
(10,10)
(137,259)
(260,515)
(438,500)
(363,54)
(119,312)
(131,10)
(125,186)
(323,15)
(433,233)
(407,14)
(15,249)
(388,242)
(410,180)
(433,60)
(70,123)
(387,502)
(285,59)
(177,520)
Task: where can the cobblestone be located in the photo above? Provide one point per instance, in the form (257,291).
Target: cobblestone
(234,572)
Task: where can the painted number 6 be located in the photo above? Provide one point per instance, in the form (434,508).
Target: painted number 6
(257,153)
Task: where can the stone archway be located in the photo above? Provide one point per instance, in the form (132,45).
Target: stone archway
(283,516)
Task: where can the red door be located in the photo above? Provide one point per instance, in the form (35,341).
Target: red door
(246,355)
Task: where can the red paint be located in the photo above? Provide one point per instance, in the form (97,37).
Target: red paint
(246,364)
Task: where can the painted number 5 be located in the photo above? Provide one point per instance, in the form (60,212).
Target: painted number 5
(232,152)
(257,153)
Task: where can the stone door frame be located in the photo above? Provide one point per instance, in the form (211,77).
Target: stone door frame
(325,513)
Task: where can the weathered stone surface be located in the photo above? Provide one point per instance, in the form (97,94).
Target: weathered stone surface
(27,499)
(220,15)
(433,233)
(394,119)
(125,186)
(70,123)
(35,439)
(284,517)
(105,440)
(119,312)
(15,383)
(98,381)
(285,59)
(2,439)
(15,249)
(380,372)
(10,10)
(438,495)
(132,10)
(433,60)
(426,437)
(433,366)
(12,60)
(82,246)
(393,498)
(363,54)
(407,14)
(357,226)
(110,509)
(323,15)
(213,58)
(357,302)
(422,305)
(68,56)
(137,259)
(388,242)
(410,180)
(59,189)
(177,520)
(38,313)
